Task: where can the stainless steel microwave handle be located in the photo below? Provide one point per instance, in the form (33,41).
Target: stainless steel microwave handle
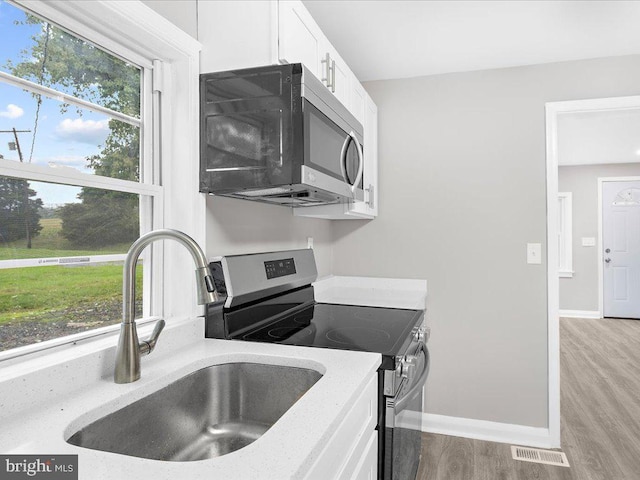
(419,383)
(351,137)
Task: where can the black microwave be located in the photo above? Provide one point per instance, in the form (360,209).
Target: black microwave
(276,134)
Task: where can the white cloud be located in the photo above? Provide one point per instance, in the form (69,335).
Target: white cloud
(12,111)
(74,161)
(83,131)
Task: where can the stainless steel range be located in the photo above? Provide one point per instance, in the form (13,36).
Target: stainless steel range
(268,297)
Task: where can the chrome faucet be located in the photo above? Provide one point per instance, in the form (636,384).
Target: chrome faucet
(129,349)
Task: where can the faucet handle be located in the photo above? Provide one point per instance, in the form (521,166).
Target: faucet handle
(147,346)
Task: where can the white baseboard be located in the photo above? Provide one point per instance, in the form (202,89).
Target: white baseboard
(580,313)
(477,429)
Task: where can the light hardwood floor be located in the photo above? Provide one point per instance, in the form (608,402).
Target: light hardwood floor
(600,414)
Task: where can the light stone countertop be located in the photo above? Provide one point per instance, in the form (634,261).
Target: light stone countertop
(37,418)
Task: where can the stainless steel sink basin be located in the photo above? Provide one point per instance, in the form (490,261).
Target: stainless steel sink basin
(206,414)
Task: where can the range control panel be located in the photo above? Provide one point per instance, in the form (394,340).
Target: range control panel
(280,268)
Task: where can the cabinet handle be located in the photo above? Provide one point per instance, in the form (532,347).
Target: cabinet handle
(333,76)
(371,199)
(327,62)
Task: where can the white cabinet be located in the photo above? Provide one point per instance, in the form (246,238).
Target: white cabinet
(357,101)
(342,78)
(301,40)
(244,33)
(238,34)
(352,451)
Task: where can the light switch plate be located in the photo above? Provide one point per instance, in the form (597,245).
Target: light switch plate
(534,253)
(588,241)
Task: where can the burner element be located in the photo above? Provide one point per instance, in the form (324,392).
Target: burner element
(304,318)
(282,333)
(371,337)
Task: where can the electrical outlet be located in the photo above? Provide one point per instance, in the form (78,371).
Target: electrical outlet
(588,241)
(309,242)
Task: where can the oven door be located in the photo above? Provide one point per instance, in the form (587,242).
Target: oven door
(332,151)
(403,437)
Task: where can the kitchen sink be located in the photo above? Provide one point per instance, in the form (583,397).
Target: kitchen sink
(206,414)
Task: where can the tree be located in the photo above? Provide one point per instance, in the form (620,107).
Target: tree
(64,62)
(101,219)
(14,210)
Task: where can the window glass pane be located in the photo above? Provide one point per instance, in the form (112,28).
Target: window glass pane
(61,255)
(66,136)
(42,303)
(35,50)
(62,220)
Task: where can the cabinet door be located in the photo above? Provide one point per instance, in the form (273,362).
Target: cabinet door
(341,76)
(369,208)
(357,101)
(300,38)
(367,468)
(371,158)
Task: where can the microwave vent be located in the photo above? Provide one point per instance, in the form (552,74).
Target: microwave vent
(267,192)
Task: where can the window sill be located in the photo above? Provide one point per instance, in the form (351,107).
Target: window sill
(56,344)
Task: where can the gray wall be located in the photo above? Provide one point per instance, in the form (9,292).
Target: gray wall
(581,291)
(239,226)
(462,190)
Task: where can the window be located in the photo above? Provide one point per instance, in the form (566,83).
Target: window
(565,235)
(76,179)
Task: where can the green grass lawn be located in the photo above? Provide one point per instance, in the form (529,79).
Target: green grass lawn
(26,293)
(29,292)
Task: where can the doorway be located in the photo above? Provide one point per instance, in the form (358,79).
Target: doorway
(619,202)
(556,113)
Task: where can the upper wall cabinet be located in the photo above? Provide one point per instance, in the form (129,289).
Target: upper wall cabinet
(243,34)
(301,40)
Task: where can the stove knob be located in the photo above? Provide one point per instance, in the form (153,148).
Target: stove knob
(405,365)
(422,334)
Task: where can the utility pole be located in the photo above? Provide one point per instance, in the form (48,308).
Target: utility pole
(16,146)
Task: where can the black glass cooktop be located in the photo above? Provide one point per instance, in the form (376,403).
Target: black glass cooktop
(346,327)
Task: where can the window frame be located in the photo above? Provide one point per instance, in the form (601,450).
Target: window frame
(135,32)
(565,235)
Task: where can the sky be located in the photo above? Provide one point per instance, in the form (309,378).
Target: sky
(63,140)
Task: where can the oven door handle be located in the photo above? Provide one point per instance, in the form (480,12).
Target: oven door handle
(351,137)
(420,381)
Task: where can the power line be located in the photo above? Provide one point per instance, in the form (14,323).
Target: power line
(42,70)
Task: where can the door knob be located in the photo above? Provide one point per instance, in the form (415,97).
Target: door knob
(607,260)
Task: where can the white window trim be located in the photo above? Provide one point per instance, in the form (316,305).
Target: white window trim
(134,31)
(565,235)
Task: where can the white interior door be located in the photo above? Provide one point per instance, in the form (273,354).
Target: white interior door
(621,248)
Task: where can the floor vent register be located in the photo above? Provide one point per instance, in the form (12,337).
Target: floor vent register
(548,457)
